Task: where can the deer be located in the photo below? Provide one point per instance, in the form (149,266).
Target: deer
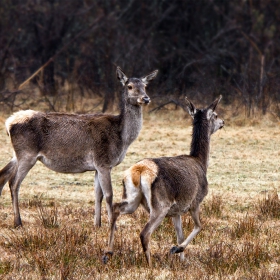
(170,186)
(76,143)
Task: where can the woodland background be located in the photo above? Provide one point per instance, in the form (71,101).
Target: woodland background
(202,48)
(61,55)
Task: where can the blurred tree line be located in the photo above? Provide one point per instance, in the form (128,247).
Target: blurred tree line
(202,48)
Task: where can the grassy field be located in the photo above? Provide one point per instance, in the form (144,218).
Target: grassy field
(240,216)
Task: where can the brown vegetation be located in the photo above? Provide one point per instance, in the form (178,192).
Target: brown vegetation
(240,238)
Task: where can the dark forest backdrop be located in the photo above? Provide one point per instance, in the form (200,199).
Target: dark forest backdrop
(202,48)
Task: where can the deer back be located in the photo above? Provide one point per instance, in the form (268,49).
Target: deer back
(180,180)
(63,137)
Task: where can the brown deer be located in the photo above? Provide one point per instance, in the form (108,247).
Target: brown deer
(170,186)
(75,143)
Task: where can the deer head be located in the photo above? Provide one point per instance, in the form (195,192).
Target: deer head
(134,88)
(214,122)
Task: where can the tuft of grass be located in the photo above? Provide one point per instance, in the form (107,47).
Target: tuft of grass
(48,217)
(224,258)
(214,206)
(47,249)
(269,205)
(34,202)
(247,225)
(5,267)
(262,274)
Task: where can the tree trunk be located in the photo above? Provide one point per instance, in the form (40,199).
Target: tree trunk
(49,87)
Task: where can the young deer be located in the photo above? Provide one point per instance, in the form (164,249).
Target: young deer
(170,186)
(72,143)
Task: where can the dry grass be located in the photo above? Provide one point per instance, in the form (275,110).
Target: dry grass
(240,216)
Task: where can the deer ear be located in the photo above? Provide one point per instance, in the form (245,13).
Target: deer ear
(121,76)
(149,77)
(209,113)
(191,108)
(214,104)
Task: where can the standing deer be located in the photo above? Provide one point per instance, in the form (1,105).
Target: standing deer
(75,143)
(170,186)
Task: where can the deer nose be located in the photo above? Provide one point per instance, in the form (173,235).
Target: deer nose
(146,99)
(223,123)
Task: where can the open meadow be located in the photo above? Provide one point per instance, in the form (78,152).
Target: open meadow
(240,216)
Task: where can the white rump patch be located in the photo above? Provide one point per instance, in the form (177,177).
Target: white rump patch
(132,192)
(144,168)
(139,178)
(18,117)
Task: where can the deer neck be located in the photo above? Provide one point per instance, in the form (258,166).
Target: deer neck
(131,122)
(200,145)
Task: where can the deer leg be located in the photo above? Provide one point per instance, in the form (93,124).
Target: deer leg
(118,209)
(197,228)
(14,184)
(124,207)
(177,221)
(6,173)
(127,206)
(98,200)
(104,178)
(155,220)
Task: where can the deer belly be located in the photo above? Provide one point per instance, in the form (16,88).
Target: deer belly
(118,159)
(177,209)
(68,164)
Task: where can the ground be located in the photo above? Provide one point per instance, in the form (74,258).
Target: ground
(240,216)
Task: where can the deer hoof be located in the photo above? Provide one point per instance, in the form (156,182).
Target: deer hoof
(176,250)
(106,257)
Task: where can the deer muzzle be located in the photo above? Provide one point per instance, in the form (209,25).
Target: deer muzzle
(222,124)
(144,100)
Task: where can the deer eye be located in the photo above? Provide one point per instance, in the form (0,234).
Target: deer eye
(129,87)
